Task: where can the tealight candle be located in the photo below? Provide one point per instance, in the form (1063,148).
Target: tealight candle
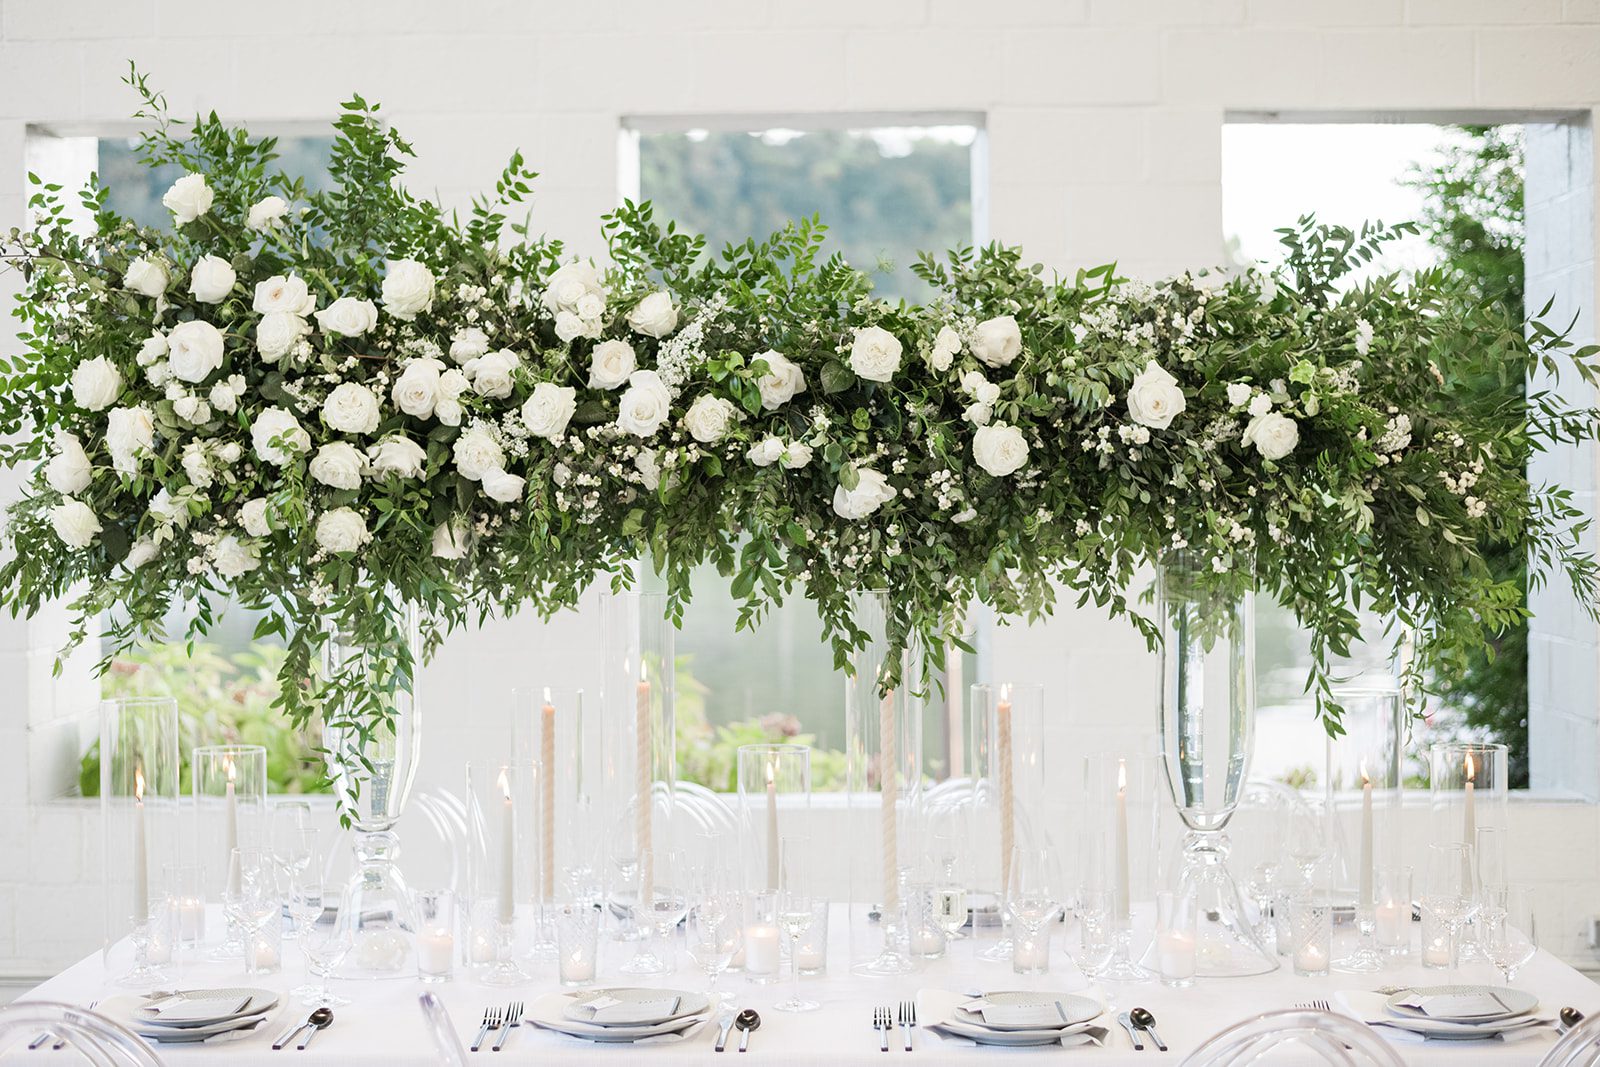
(191,919)
(482,947)
(925,942)
(1391,927)
(577,968)
(435,952)
(1175,952)
(1311,958)
(1030,955)
(811,958)
(263,954)
(1436,952)
(761,949)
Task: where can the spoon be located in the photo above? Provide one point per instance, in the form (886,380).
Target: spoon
(1570,1017)
(1133,1034)
(746,1021)
(1142,1018)
(320,1020)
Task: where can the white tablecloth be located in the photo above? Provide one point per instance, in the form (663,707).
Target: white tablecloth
(383,1025)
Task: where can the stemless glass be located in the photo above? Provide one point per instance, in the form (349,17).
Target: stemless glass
(326,939)
(713,935)
(1450,888)
(795,913)
(1035,901)
(1507,931)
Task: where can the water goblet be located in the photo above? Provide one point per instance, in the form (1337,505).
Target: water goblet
(325,938)
(1450,888)
(1507,930)
(713,935)
(1035,902)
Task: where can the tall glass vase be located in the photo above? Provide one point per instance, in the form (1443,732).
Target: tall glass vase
(372,767)
(1207,728)
(139,820)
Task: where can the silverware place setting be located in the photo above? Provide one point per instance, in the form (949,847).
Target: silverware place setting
(882,1022)
(1144,1020)
(491,1023)
(513,1019)
(746,1021)
(908,1019)
(320,1019)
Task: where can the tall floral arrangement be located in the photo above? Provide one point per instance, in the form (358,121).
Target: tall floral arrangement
(327,405)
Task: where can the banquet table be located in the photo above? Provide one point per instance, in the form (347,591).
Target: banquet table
(384,1025)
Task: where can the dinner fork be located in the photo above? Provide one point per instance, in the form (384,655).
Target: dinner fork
(61,1042)
(1314,1005)
(908,1019)
(491,1021)
(513,1020)
(882,1021)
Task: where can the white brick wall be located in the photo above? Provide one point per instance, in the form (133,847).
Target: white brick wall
(1104,123)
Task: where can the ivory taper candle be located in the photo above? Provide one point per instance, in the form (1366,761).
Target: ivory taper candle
(1123,910)
(889,792)
(547,839)
(141,854)
(230,828)
(1364,893)
(641,827)
(1008,797)
(508,852)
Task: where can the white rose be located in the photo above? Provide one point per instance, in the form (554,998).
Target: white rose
(1260,405)
(194,350)
(167,511)
(450,539)
(142,551)
(981,389)
(277,333)
(277,436)
(591,306)
(452,383)
(267,213)
(224,396)
(253,517)
(945,347)
(74,523)
(875,354)
(416,390)
(654,316)
(1238,394)
(610,364)
(158,374)
(978,413)
(997,341)
(348,317)
(547,412)
(338,465)
(1274,435)
(796,455)
(211,280)
(192,409)
(147,277)
(476,453)
(1154,398)
(765,452)
(398,455)
(96,384)
(782,381)
(69,470)
(189,198)
(1363,337)
(648,464)
(448,411)
(501,486)
(999,449)
(709,418)
(233,557)
(341,530)
(130,433)
(569,284)
(230,452)
(351,408)
(154,347)
(491,373)
(283,293)
(468,343)
(645,404)
(872,491)
(407,289)
(570,326)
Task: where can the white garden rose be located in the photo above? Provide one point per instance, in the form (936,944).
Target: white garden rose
(654,316)
(1260,404)
(146,276)
(979,388)
(277,333)
(945,347)
(192,409)
(130,433)
(407,289)
(341,530)
(997,341)
(96,384)
(978,413)
(154,347)
(351,408)
(610,364)
(999,449)
(416,390)
(591,307)
(796,454)
(570,283)
(491,373)
(278,437)
(167,511)
(709,418)
(1154,398)
(283,293)
(224,395)
(648,464)
(194,350)
(447,409)
(188,199)
(1239,394)
(348,317)
(468,343)
(397,455)
(645,404)
(68,471)
(570,326)
(230,451)
(339,465)
(253,517)
(783,380)
(234,558)
(1274,435)
(476,453)
(765,452)
(141,552)
(450,539)
(74,523)
(548,411)
(872,491)
(875,354)
(267,213)
(503,486)
(196,466)
(212,279)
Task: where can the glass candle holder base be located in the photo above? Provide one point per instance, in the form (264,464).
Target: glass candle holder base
(1364,958)
(1122,966)
(503,969)
(998,952)
(146,971)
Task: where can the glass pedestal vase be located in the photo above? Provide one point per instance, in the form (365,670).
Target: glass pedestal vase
(1207,727)
(372,765)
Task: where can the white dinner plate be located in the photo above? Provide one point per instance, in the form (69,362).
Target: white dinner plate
(1517,1002)
(1077,1010)
(689,1003)
(1445,1030)
(126,1011)
(984,1035)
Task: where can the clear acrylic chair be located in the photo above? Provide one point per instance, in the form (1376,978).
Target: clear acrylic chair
(445,1038)
(96,1039)
(1578,1047)
(1296,1037)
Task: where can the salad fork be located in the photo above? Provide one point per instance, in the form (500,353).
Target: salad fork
(491,1021)
(908,1019)
(882,1021)
(513,1020)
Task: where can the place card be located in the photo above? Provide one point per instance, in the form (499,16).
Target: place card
(1457,1005)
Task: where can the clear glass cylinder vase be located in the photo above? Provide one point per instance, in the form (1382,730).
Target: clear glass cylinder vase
(1006,749)
(1207,707)
(548,729)
(1363,801)
(774,784)
(229,783)
(140,817)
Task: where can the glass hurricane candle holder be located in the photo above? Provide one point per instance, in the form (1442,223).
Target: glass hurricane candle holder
(1392,910)
(436,934)
(774,783)
(577,943)
(502,817)
(1006,749)
(548,729)
(1121,789)
(1362,796)
(1175,945)
(1311,933)
(139,817)
(1468,787)
(230,811)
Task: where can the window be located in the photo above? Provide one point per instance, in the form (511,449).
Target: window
(886,192)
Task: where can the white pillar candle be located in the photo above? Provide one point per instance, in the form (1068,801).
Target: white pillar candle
(1364,899)
(547,757)
(1031,954)
(435,951)
(1311,957)
(1391,927)
(576,965)
(482,947)
(772,823)
(889,790)
(191,919)
(1122,893)
(230,829)
(1008,793)
(641,829)
(508,851)
(761,949)
(1175,951)
(141,853)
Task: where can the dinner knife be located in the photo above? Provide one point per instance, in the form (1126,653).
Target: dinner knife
(724,1028)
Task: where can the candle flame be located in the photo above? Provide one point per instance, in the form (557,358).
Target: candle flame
(1122,775)
(138,784)
(1364,779)
(505,783)
(772,772)
(1005,693)
(1472,768)
(227,762)
(547,694)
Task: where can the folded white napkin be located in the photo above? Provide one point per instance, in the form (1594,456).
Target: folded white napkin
(1092,1035)
(1373,1010)
(611,1012)
(1042,1014)
(1457,1005)
(182,1008)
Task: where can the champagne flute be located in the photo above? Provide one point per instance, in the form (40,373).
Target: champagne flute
(1450,887)
(795,913)
(949,889)
(1507,930)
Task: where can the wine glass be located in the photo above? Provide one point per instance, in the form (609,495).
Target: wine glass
(1035,899)
(1507,931)
(949,888)
(325,939)
(713,934)
(795,914)
(1092,942)
(250,899)
(305,907)
(1450,887)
